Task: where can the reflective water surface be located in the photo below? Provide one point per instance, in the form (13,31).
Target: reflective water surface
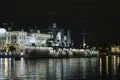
(104,68)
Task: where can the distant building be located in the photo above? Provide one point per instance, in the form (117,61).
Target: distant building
(20,39)
(16,37)
(115,49)
(2,37)
(39,39)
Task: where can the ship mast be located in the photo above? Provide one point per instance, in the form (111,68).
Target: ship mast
(83,38)
(83,34)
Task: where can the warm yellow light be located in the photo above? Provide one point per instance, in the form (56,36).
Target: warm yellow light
(100,66)
(107,65)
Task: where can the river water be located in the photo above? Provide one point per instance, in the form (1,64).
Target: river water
(96,68)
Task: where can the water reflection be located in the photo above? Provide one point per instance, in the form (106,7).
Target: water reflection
(104,68)
(6,68)
(109,67)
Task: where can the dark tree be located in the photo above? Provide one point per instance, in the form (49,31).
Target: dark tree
(12,48)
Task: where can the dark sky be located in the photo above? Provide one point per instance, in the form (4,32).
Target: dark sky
(101,19)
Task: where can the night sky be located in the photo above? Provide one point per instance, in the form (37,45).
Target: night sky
(100,19)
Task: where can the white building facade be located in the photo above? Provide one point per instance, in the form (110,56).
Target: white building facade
(2,37)
(39,39)
(16,37)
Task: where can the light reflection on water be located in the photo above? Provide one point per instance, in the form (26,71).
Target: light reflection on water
(108,67)
(104,68)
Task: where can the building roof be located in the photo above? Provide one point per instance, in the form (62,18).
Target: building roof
(3,30)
